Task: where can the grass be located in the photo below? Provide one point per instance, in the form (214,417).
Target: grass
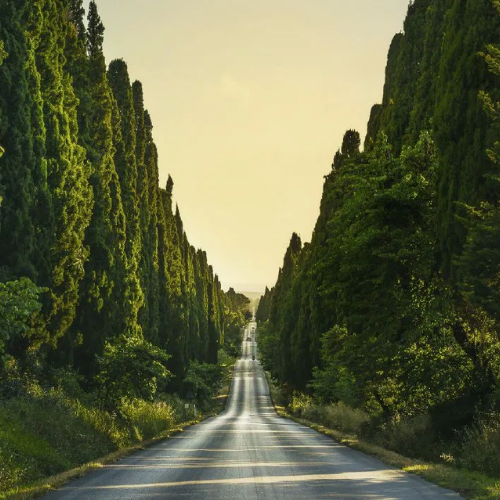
(45,485)
(48,439)
(469,484)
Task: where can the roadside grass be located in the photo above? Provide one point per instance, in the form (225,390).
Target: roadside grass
(469,484)
(48,439)
(45,485)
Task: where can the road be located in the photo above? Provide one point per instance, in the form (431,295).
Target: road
(249,453)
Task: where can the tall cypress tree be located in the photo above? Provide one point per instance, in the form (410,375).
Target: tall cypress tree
(67,172)
(460,124)
(433,77)
(101,311)
(144,211)
(17,188)
(201,273)
(170,287)
(213,317)
(126,166)
(151,162)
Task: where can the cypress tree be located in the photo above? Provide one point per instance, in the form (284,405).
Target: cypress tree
(42,212)
(170,277)
(201,273)
(75,15)
(77,66)
(213,317)
(17,188)
(460,124)
(67,172)
(101,311)
(433,77)
(126,166)
(151,162)
(145,207)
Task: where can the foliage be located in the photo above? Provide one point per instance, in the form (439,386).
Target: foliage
(236,309)
(45,431)
(3,53)
(202,381)
(147,419)
(334,415)
(479,447)
(83,216)
(19,302)
(388,332)
(393,306)
(101,294)
(132,367)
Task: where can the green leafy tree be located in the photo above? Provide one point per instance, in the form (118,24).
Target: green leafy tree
(19,303)
(479,264)
(131,367)
(203,380)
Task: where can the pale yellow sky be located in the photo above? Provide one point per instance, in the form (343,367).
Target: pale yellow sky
(250,100)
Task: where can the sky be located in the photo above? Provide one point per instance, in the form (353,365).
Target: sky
(249,101)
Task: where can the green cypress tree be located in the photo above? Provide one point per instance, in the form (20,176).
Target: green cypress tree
(201,272)
(126,166)
(17,188)
(67,172)
(75,14)
(213,318)
(151,162)
(433,76)
(145,207)
(170,286)
(101,310)
(42,213)
(77,66)
(459,121)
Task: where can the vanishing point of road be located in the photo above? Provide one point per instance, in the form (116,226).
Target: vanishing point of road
(248,453)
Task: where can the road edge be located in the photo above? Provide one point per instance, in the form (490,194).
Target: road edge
(470,485)
(51,483)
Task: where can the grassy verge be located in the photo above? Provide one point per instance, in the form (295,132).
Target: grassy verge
(48,438)
(469,484)
(48,484)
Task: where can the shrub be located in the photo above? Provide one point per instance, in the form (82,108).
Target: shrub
(344,418)
(148,419)
(411,436)
(202,381)
(131,367)
(480,448)
(334,415)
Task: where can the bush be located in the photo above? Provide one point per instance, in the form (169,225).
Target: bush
(410,436)
(131,367)
(202,381)
(147,419)
(344,418)
(480,448)
(334,415)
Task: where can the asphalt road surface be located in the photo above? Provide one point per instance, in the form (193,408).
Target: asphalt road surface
(249,453)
